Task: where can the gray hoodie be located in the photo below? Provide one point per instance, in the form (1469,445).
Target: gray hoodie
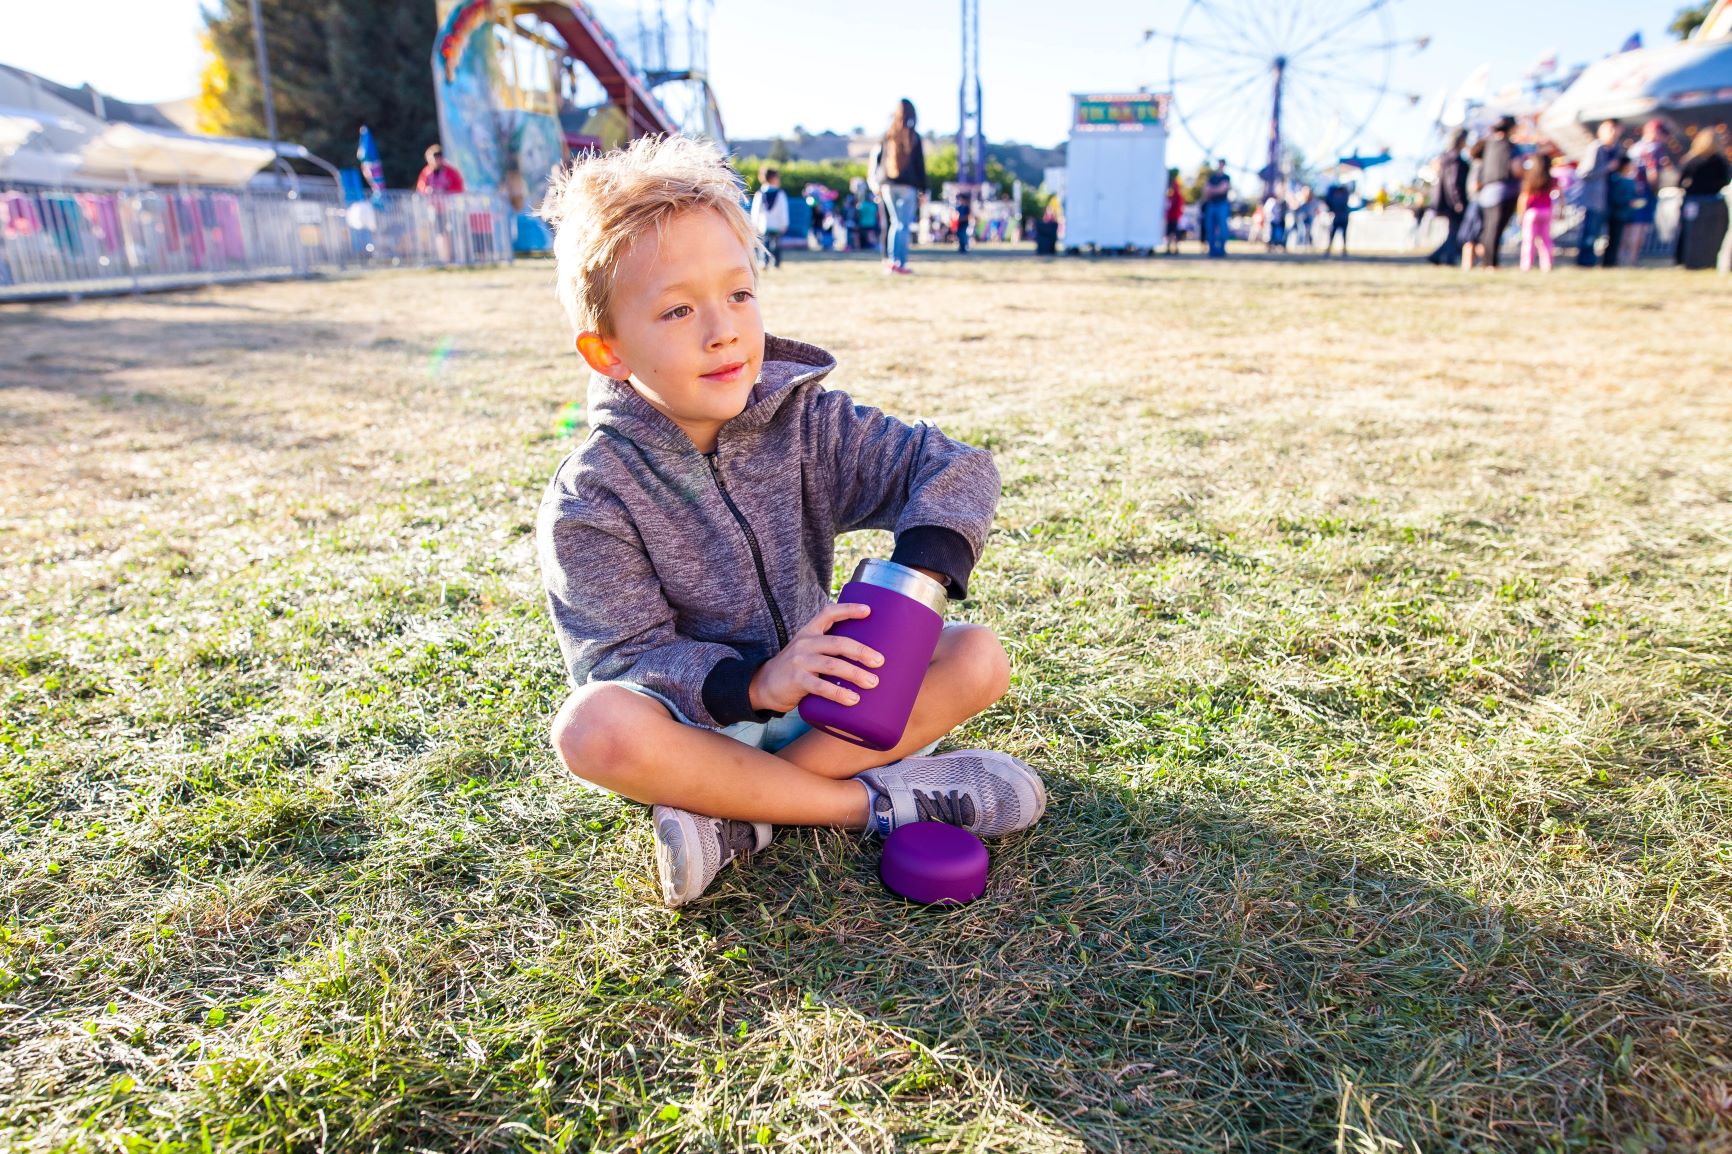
(683,572)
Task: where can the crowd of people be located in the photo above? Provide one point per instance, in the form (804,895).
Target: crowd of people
(1287,217)
(1507,180)
(1482,189)
(888,209)
(1500,180)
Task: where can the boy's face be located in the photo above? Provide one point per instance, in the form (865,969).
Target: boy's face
(686,332)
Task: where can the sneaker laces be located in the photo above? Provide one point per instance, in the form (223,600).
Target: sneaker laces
(953,807)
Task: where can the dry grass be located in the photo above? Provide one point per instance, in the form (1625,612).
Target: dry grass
(1370,622)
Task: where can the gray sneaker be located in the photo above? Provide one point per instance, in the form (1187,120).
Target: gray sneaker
(691,849)
(988,794)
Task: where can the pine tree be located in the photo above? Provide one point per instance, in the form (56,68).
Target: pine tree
(334,67)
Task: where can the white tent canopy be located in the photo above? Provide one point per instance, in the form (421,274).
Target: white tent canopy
(45,139)
(1689,82)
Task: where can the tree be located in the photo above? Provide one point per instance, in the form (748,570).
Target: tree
(1194,190)
(942,169)
(1298,168)
(1689,18)
(334,67)
(797,174)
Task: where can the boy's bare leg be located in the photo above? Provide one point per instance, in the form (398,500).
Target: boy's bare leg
(630,744)
(969,672)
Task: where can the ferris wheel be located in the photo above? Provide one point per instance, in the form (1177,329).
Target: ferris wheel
(1259,83)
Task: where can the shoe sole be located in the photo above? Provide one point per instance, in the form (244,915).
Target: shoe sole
(667,867)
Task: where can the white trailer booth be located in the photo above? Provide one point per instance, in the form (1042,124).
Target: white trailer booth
(1115,191)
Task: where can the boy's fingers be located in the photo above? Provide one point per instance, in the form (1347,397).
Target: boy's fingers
(830,614)
(840,694)
(847,671)
(852,650)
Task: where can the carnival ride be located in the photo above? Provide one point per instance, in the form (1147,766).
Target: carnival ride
(521,86)
(1260,83)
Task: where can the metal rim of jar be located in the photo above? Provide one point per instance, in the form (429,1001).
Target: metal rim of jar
(901,579)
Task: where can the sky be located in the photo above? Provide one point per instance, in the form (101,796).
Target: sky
(839,64)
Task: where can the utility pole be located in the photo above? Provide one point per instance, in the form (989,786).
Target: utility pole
(970,137)
(1274,175)
(265,77)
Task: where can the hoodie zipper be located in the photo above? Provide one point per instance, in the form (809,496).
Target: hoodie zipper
(757,554)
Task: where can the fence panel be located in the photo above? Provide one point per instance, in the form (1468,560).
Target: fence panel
(58,242)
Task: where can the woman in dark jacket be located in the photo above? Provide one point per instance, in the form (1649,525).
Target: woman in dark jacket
(903,166)
(1497,192)
(1703,179)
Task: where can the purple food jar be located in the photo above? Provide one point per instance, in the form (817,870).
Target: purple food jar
(904,627)
(928,861)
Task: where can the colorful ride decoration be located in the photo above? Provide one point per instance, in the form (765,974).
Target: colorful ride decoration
(511,80)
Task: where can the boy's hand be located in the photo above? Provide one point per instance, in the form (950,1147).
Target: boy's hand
(798,670)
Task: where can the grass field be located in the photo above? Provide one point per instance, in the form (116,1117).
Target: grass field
(1371,624)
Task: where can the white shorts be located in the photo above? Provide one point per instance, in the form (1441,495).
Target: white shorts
(769,736)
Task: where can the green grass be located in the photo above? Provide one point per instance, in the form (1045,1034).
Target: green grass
(1370,623)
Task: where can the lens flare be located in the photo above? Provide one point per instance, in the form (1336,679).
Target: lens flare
(441,353)
(570,420)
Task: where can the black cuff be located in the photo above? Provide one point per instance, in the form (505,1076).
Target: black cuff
(939,549)
(727,691)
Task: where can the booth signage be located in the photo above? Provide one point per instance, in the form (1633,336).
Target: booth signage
(1106,113)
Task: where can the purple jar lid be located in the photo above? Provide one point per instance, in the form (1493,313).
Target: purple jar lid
(929,861)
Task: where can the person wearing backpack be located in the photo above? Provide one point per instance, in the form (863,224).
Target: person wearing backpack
(770,214)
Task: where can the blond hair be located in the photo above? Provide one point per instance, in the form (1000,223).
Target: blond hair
(603,203)
(1706,141)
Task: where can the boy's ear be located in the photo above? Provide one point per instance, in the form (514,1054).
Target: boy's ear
(593,348)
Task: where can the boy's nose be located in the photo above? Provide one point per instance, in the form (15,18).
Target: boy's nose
(723,332)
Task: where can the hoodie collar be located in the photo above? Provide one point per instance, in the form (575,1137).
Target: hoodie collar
(788,364)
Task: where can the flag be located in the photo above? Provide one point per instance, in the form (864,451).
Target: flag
(1545,65)
(371,168)
(1633,43)
(1474,87)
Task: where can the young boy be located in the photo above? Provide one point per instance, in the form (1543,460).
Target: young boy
(687,545)
(770,215)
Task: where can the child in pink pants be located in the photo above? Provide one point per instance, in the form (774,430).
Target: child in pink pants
(1536,212)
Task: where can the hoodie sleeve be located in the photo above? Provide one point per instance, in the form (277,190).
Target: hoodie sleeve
(615,624)
(937,495)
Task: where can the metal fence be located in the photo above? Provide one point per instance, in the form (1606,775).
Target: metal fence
(59,242)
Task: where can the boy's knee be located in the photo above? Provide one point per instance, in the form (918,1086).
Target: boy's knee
(981,662)
(593,731)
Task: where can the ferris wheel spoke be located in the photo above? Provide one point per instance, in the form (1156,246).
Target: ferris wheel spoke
(1351,125)
(1222,21)
(1291,32)
(1307,126)
(1210,46)
(1239,88)
(1268,29)
(1217,76)
(1347,21)
(1243,117)
(1216,135)
(1336,80)
(1345,51)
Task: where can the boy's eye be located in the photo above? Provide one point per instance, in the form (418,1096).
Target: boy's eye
(678,312)
(742,296)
